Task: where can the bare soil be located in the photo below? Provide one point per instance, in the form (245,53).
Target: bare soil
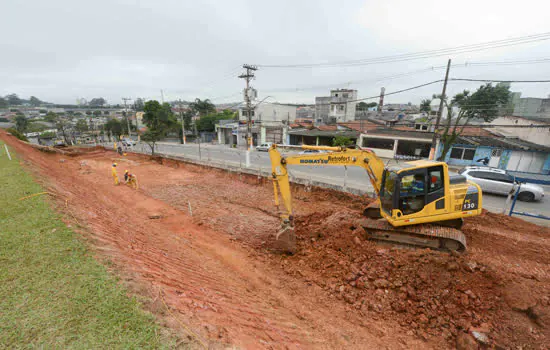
(221,274)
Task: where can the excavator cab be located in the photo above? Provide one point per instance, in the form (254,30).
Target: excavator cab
(422,190)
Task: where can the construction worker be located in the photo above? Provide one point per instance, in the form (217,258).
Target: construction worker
(114,173)
(130,179)
(418,184)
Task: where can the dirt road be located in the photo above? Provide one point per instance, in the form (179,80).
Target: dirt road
(219,273)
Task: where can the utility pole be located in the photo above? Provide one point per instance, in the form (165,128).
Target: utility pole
(126,112)
(161,96)
(183,139)
(248,76)
(440,111)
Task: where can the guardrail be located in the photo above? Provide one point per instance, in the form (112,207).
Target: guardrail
(235,162)
(512,212)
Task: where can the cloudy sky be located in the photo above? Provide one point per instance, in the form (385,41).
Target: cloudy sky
(61,50)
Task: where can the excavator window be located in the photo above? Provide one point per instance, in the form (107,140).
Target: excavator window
(436,190)
(387,191)
(412,191)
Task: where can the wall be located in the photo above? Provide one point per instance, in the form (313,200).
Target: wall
(523,161)
(546,167)
(527,161)
(528,107)
(481,152)
(322,108)
(275,112)
(540,136)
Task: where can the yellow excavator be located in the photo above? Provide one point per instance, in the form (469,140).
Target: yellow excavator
(418,202)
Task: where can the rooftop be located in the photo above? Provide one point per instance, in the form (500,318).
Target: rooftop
(504,143)
(315,132)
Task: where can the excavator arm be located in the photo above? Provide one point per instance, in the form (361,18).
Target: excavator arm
(339,156)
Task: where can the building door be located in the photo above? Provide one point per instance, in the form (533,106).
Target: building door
(495,157)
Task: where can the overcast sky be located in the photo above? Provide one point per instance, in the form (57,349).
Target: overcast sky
(61,50)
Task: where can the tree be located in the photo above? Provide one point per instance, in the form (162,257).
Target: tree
(17,134)
(3,103)
(50,117)
(138,104)
(208,122)
(363,106)
(342,141)
(34,101)
(114,127)
(21,123)
(97,102)
(36,127)
(485,103)
(60,123)
(97,113)
(81,125)
(202,107)
(13,100)
(88,112)
(159,120)
(426,106)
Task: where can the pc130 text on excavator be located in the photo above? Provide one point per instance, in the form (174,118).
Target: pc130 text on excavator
(419,203)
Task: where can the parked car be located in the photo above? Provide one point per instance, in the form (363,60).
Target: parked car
(264,147)
(498,181)
(128,142)
(312,151)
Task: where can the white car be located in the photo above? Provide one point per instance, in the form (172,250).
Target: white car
(312,151)
(264,147)
(498,181)
(128,142)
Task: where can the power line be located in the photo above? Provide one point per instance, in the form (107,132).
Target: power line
(386,94)
(423,54)
(500,81)
(405,74)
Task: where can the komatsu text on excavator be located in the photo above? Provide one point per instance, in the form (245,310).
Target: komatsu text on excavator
(422,204)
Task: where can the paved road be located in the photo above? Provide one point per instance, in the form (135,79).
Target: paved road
(352,177)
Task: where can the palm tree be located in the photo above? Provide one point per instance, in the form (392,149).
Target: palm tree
(202,107)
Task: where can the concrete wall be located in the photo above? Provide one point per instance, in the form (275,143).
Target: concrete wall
(546,167)
(528,107)
(539,136)
(322,108)
(271,112)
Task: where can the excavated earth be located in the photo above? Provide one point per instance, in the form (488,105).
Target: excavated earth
(198,246)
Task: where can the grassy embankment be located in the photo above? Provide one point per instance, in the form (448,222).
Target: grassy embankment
(53,293)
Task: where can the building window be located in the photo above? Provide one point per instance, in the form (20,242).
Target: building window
(378,143)
(340,107)
(462,153)
(345,95)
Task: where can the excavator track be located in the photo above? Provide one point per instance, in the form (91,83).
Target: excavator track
(423,235)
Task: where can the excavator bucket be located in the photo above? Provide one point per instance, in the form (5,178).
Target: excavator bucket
(286,238)
(372,211)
